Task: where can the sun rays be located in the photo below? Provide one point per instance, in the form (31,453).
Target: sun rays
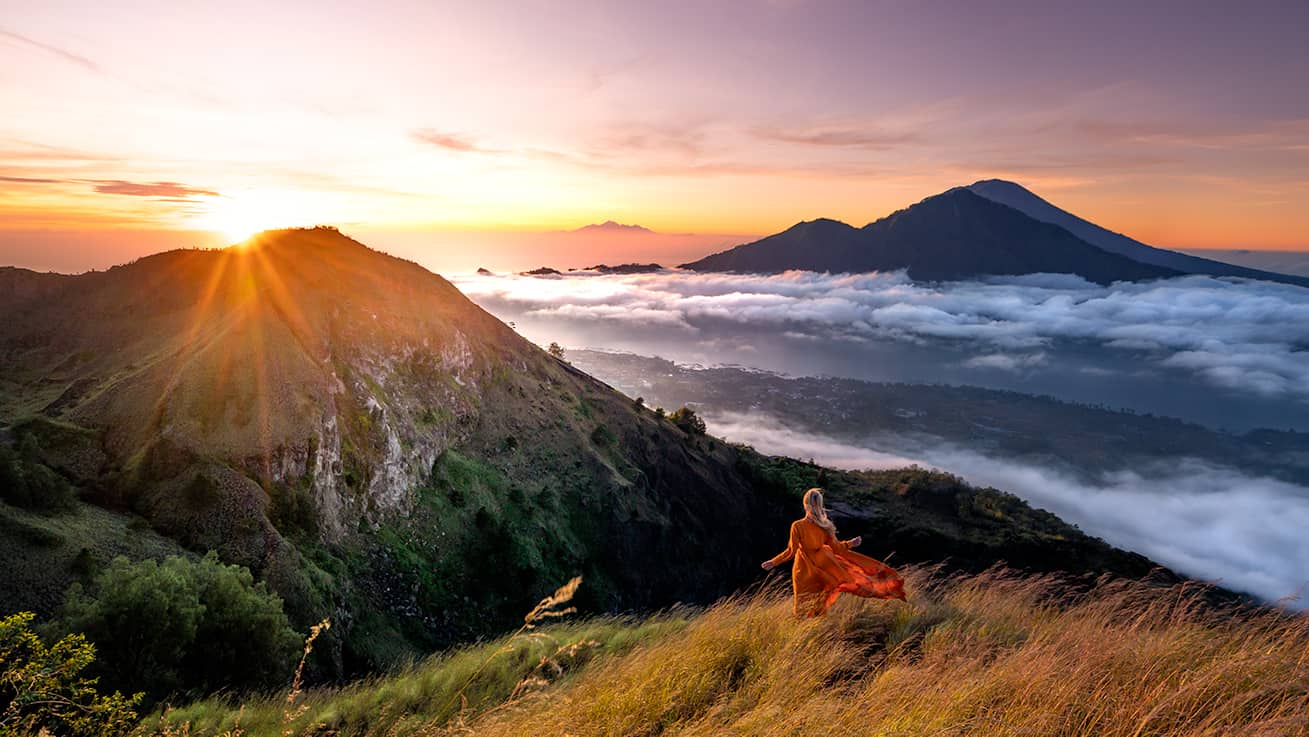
(246,313)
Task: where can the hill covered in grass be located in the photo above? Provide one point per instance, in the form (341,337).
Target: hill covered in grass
(995,654)
(378,450)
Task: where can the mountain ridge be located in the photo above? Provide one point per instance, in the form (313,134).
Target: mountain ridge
(1024,200)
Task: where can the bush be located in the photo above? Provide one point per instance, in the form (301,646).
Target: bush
(28,483)
(41,690)
(182,625)
(556,350)
(688,421)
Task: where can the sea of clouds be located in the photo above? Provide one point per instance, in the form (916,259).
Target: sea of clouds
(1210,522)
(1241,335)
(1228,346)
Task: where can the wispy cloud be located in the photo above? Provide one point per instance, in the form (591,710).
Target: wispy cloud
(168,191)
(64,54)
(30,180)
(150,189)
(450,141)
(1006,361)
(866,138)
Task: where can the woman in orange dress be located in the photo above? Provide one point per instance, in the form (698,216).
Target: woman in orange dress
(826,567)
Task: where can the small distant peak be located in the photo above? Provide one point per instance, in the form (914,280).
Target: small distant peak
(483,271)
(624,268)
(541,271)
(610,226)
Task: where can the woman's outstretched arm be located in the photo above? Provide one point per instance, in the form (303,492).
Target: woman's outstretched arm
(787,554)
(850,544)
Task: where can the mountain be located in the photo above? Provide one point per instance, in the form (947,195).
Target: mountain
(1021,199)
(625,268)
(609,226)
(954,235)
(378,449)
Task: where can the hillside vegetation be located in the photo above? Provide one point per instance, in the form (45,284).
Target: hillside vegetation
(993,654)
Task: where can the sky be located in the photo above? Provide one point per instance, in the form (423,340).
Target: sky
(447,130)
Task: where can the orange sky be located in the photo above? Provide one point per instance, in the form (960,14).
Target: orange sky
(444,128)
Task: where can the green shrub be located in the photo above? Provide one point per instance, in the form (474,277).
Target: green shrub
(28,483)
(183,625)
(42,691)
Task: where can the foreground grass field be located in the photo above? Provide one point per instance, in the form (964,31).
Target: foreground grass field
(996,654)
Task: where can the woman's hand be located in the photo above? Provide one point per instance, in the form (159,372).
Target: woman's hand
(855,541)
(768,565)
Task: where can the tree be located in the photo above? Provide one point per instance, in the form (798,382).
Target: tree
(42,691)
(182,625)
(556,350)
(688,421)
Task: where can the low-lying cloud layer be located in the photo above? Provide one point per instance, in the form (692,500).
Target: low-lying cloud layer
(1247,336)
(1209,522)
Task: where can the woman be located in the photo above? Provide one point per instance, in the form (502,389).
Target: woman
(825,567)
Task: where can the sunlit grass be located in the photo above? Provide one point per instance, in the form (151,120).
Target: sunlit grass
(997,655)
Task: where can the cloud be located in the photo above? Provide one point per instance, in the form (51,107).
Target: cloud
(450,141)
(1005,361)
(68,56)
(1209,522)
(1246,336)
(163,191)
(30,180)
(150,189)
(626,139)
(864,138)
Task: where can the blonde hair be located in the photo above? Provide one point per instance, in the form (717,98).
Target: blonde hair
(815,512)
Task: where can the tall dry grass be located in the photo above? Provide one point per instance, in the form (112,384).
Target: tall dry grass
(997,654)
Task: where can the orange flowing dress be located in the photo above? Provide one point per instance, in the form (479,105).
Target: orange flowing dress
(825,568)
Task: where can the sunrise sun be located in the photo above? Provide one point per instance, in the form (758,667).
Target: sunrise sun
(239,216)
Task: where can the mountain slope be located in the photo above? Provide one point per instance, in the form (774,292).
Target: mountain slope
(1023,200)
(953,235)
(382,451)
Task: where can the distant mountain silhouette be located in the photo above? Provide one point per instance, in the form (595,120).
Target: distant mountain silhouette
(1023,200)
(609,226)
(625,268)
(954,235)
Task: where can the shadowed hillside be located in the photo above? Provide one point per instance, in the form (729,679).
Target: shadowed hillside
(1023,200)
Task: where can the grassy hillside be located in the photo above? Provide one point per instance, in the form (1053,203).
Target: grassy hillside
(379,450)
(994,654)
